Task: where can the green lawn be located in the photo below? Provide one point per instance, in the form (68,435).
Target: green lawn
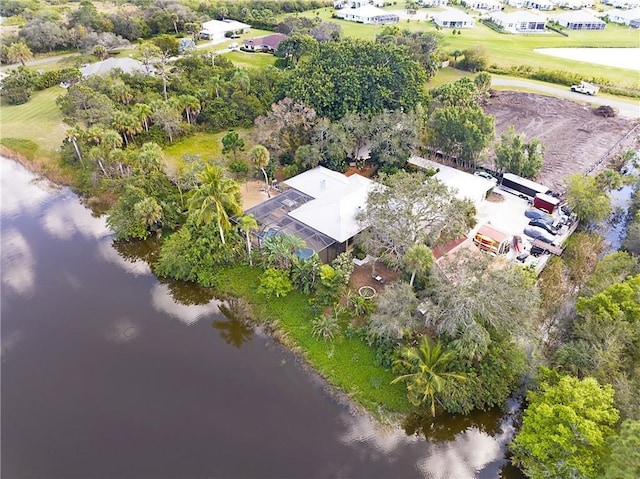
(506,50)
(447,75)
(347,363)
(250,60)
(38,120)
(207,145)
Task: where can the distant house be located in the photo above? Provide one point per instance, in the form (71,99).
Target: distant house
(515,3)
(453,18)
(127,65)
(338,4)
(519,22)
(624,17)
(367,14)
(543,5)
(579,20)
(483,5)
(623,4)
(320,207)
(268,43)
(217,29)
(433,3)
(575,4)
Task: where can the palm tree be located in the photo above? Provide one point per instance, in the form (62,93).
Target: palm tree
(247,224)
(73,135)
(259,156)
(126,124)
(429,375)
(417,259)
(100,51)
(19,52)
(215,197)
(190,105)
(280,250)
(242,79)
(142,112)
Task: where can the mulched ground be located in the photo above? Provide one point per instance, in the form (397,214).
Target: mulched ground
(362,276)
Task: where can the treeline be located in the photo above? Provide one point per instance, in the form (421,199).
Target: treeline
(45,29)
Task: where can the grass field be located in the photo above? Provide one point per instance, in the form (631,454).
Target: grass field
(250,60)
(506,50)
(38,120)
(207,145)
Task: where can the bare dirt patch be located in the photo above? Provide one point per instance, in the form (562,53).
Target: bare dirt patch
(576,140)
(254,192)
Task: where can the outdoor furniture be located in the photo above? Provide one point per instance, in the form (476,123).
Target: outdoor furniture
(379,279)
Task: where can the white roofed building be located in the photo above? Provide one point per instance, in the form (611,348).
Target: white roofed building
(453,18)
(127,65)
(216,29)
(320,207)
(367,14)
(519,22)
(544,5)
(623,17)
(579,20)
(483,5)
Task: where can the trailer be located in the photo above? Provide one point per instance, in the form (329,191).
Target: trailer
(545,203)
(522,186)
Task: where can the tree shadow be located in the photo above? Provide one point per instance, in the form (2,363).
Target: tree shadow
(236,330)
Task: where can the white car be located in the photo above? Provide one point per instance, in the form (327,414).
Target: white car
(485,175)
(233,46)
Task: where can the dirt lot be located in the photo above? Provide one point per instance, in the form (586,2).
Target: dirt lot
(575,139)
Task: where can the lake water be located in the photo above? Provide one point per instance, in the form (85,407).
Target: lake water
(106,375)
(613,57)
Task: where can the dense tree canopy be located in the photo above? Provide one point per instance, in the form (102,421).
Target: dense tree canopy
(565,428)
(357,76)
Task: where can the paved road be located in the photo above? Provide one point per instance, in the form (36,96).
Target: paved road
(627,108)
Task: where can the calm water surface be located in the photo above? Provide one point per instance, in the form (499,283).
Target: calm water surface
(105,375)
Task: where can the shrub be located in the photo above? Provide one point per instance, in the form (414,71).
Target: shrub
(275,282)
(325,327)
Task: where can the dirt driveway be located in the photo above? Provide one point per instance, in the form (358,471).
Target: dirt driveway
(575,138)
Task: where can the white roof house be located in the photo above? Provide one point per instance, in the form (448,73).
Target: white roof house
(433,3)
(467,186)
(519,22)
(624,17)
(539,5)
(575,4)
(337,199)
(579,20)
(515,3)
(483,5)
(453,18)
(624,4)
(357,3)
(127,65)
(367,14)
(216,29)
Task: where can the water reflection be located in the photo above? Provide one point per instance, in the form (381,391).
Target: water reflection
(123,330)
(163,301)
(18,267)
(13,201)
(136,267)
(64,219)
(236,330)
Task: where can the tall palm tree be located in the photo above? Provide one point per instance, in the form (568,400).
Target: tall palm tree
(417,259)
(191,107)
(19,52)
(215,197)
(241,78)
(73,135)
(429,371)
(142,112)
(259,156)
(247,224)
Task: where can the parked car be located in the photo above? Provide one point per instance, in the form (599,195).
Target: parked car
(544,225)
(233,46)
(537,233)
(485,175)
(535,214)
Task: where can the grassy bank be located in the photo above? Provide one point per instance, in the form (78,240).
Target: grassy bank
(347,363)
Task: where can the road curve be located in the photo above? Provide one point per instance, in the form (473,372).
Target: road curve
(629,109)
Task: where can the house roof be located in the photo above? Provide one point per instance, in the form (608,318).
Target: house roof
(366,11)
(452,15)
(517,17)
(493,233)
(271,41)
(127,65)
(223,26)
(624,14)
(467,186)
(578,16)
(337,201)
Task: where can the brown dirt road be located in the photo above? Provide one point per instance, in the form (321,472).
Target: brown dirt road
(575,139)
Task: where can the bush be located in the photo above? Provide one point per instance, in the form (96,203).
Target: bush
(275,282)
(325,327)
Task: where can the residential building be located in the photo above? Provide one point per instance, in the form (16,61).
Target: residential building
(433,3)
(453,18)
(127,65)
(519,22)
(579,20)
(267,43)
(624,17)
(217,29)
(483,5)
(543,5)
(338,4)
(367,14)
(320,207)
